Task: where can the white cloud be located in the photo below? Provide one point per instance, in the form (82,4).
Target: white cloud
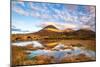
(68,15)
(89,19)
(73,26)
(20,11)
(85,27)
(33,6)
(22,3)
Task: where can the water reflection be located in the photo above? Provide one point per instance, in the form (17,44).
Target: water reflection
(61,53)
(56,49)
(25,43)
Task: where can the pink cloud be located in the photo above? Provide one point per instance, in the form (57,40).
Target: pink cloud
(20,11)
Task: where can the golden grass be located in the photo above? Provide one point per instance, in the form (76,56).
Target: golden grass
(19,55)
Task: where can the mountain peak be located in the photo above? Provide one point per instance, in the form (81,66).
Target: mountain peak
(50,26)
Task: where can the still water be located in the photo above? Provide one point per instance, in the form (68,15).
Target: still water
(58,54)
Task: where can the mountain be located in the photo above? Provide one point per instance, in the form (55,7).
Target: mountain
(85,32)
(48,30)
(50,26)
(51,32)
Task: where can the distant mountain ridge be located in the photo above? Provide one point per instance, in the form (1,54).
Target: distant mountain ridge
(51,32)
(50,26)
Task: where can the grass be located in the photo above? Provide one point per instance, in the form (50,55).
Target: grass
(19,55)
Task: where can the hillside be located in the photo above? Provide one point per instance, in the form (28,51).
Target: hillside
(51,32)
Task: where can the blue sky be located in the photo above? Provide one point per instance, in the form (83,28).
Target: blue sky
(33,16)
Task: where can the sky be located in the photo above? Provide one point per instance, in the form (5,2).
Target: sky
(33,16)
